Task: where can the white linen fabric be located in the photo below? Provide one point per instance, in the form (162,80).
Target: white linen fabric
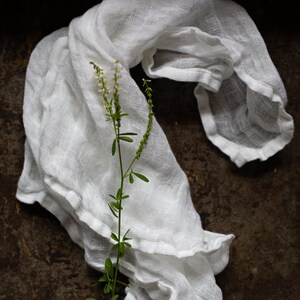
(68,166)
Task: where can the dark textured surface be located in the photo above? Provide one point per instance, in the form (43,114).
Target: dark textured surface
(259,203)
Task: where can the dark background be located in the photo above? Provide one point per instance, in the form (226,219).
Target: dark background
(259,203)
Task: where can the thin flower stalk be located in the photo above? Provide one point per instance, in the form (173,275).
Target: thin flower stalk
(115,115)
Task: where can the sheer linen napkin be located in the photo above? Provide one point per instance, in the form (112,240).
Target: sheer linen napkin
(241,102)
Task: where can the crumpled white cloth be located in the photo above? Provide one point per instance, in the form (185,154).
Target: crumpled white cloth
(68,166)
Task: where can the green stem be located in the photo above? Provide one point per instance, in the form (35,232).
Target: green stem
(117,132)
(126,173)
(122,283)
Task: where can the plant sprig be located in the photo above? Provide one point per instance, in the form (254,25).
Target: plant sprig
(115,115)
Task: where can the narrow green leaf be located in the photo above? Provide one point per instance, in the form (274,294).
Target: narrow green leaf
(119,194)
(103,278)
(127,244)
(114,237)
(125,197)
(113,196)
(112,209)
(126,139)
(116,206)
(122,249)
(115,297)
(113,206)
(141,176)
(131,180)
(128,133)
(125,235)
(107,288)
(113,147)
(110,205)
(109,267)
(123,115)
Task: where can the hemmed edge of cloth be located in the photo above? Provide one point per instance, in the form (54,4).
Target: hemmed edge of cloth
(212,243)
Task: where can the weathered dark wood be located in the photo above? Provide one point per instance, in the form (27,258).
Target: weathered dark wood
(259,202)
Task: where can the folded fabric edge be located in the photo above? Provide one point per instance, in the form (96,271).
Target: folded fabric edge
(205,77)
(213,241)
(242,154)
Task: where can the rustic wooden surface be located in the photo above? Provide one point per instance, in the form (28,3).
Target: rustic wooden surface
(259,203)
